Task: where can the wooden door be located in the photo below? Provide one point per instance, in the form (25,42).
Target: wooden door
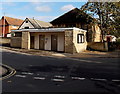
(32,42)
(54,42)
(42,42)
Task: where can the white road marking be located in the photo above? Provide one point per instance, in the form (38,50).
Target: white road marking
(98,79)
(39,78)
(119,85)
(59,76)
(38,74)
(115,80)
(22,76)
(78,78)
(27,73)
(57,80)
(30,65)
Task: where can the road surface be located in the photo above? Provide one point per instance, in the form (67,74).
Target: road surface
(50,74)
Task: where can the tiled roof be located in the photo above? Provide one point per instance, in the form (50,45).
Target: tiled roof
(39,24)
(13,21)
(73,16)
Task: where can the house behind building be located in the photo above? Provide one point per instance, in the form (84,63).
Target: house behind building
(7,24)
(78,18)
(34,24)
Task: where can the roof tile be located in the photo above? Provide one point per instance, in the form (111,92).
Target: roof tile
(13,21)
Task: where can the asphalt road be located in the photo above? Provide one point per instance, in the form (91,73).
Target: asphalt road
(50,74)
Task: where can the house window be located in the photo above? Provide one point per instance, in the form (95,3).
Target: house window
(26,21)
(26,27)
(80,38)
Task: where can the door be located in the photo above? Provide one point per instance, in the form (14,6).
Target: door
(32,42)
(54,42)
(42,42)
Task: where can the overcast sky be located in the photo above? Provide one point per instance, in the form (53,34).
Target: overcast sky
(44,11)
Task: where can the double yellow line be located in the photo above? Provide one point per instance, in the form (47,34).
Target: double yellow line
(13,71)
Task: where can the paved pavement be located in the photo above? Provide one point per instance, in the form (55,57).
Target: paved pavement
(51,74)
(2,71)
(85,54)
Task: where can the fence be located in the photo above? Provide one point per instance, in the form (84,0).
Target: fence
(99,46)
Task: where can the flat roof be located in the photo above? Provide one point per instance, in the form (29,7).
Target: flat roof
(49,30)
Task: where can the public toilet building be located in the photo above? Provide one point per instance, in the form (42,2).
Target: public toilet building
(68,40)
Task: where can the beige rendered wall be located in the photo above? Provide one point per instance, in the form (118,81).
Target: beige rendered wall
(96,33)
(25,39)
(78,47)
(60,43)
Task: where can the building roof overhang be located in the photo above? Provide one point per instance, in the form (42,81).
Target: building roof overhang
(49,30)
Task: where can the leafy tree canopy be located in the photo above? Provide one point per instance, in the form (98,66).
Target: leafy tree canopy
(108,16)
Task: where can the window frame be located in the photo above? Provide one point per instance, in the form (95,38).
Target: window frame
(82,38)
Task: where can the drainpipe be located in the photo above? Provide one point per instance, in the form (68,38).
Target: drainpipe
(3,26)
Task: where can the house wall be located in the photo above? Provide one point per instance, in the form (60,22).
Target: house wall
(4,29)
(60,40)
(96,34)
(12,27)
(7,29)
(71,44)
(79,47)
(93,30)
(26,25)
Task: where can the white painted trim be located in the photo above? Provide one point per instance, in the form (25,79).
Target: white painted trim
(49,30)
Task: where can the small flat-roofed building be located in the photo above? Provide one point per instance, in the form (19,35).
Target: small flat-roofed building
(68,40)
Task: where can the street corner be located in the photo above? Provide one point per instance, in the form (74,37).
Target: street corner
(6,71)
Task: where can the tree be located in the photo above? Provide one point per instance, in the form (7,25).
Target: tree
(115,23)
(107,13)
